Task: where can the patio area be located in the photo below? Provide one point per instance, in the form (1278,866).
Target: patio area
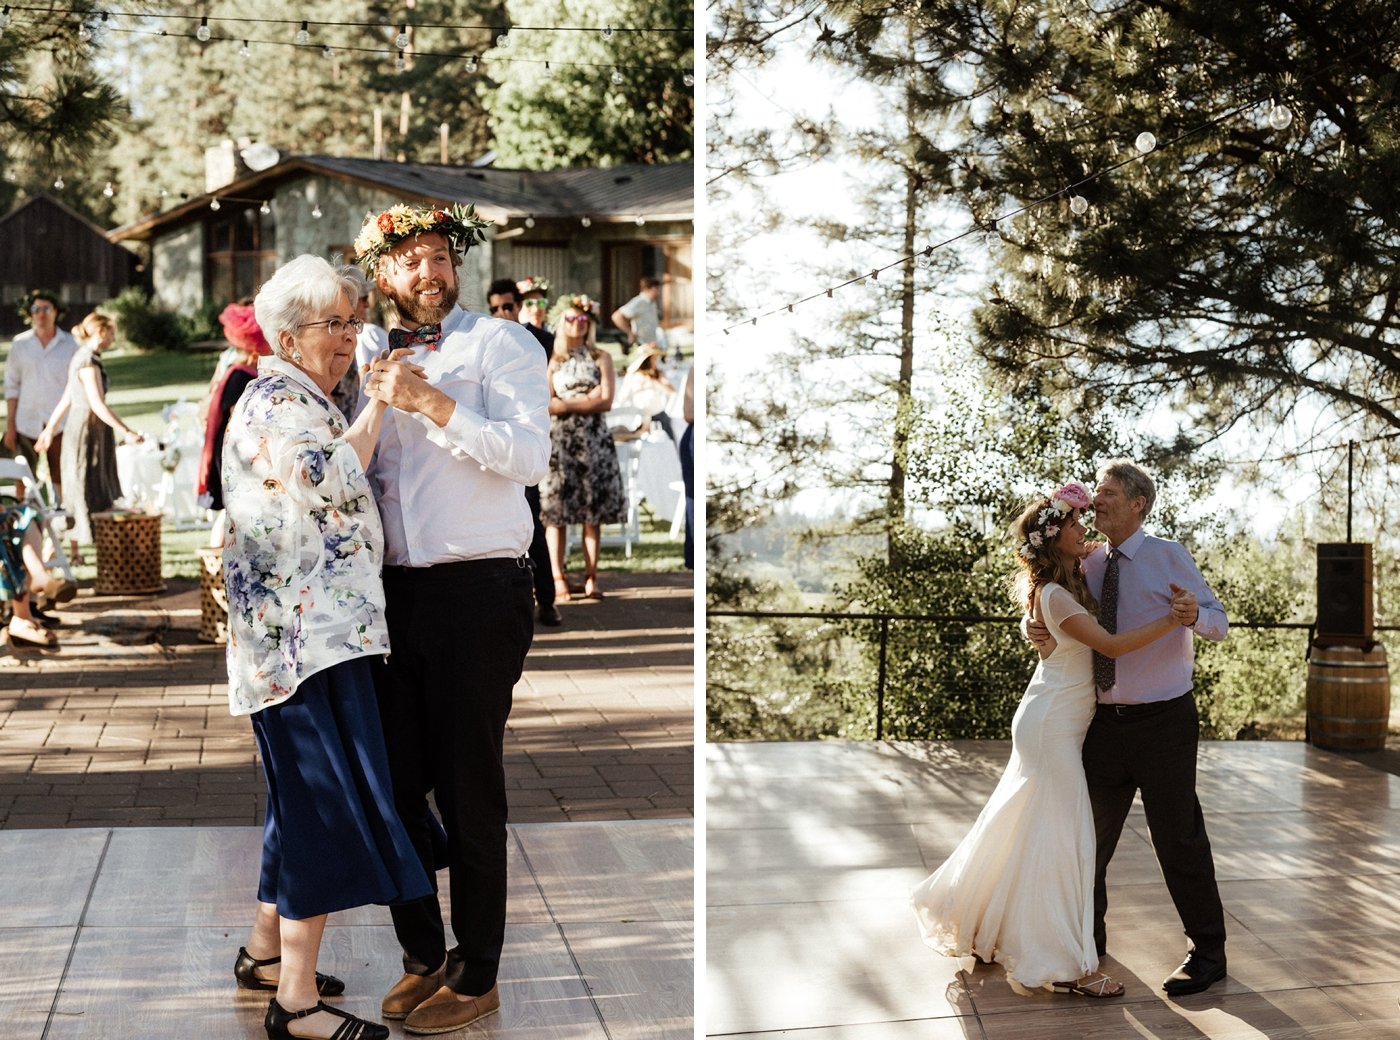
(812,847)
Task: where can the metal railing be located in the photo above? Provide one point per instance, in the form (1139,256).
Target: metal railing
(963,619)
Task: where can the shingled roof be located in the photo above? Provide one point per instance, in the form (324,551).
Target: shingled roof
(612,194)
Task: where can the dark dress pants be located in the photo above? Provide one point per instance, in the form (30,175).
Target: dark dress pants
(539,553)
(459,632)
(1152,748)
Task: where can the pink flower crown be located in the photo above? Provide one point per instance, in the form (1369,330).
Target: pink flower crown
(1048,521)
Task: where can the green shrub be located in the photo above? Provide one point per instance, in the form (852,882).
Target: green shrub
(145,324)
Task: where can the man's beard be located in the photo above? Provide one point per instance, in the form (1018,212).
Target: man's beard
(421,312)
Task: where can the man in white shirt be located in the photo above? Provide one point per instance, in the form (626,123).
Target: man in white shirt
(640,317)
(35,379)
(450,472)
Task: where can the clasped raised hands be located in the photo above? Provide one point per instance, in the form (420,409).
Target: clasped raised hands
(1184,607)
(397,383)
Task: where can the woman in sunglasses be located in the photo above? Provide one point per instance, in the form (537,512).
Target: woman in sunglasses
(584,484)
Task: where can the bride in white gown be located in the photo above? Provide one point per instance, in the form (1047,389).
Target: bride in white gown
(1018,890)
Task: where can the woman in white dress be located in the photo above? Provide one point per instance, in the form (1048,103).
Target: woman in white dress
(1018,890)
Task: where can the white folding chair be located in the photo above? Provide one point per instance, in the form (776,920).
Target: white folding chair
(53,521)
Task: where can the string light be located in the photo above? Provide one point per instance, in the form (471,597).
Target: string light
(617,77)
(400,63)
(1078,205)
(202,33)
(639,220)
(1280,116)
(84,32)
(109,191)
(328,52)
(503,41)
(265,208)
(316,211)
(469,63)
(587,221)
(5,17)
(214,205)
(245,51)
(401,41)
(303,36)
(530,221)
(1145,142)
(607,32)
(58,183)
(688,80)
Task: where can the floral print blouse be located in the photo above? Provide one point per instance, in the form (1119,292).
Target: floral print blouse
(304,544)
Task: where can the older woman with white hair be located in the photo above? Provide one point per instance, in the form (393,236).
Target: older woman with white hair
(302,557)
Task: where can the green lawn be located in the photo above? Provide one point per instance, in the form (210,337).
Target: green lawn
(143,382)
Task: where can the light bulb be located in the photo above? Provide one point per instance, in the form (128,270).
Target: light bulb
(316,212)
(587,221)
(503,41)
(400,64)
(202,33)
(529,222)
(84,32)
(607,32)
(328,51)
(58,184)
(303,37)
(265,208)
(1078,204)
(688,80)
(469,63)
(401,41)
(1280,116)
(214,205)
(245,51)
(5,17)
(617,77)
(1145,142)
(640,220)
(109,191)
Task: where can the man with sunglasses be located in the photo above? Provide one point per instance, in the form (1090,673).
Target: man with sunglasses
(450,479)
(35,379)
(503,301)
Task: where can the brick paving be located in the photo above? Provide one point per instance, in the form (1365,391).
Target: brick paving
(128,725)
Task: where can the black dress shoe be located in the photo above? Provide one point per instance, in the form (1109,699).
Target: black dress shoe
(245,971)
(1197,973)
(549,616)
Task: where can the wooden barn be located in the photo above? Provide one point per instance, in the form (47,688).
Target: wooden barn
(49,246)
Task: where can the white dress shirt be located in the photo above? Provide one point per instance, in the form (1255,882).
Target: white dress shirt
(458,492)
(37,375)
(1148,566)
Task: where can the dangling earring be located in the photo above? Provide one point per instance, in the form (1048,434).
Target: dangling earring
(296,355)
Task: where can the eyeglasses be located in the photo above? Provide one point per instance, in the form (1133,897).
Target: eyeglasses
(41,308)
(335,326)
(509,305)
(532,303)
(578,319)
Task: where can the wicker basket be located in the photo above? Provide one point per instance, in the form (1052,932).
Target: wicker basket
(213,600)
(128,554)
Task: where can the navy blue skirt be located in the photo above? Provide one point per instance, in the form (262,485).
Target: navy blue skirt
(332,839)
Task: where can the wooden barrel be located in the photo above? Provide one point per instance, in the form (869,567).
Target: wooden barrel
(1348,697)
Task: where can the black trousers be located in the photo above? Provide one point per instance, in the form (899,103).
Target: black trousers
(539,553)
(1152,748)
(459,633)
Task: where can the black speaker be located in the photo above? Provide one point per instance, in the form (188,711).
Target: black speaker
(1344,595)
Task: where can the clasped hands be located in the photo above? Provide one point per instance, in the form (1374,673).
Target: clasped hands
(397,383)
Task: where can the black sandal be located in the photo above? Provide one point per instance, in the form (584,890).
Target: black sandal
(245,971)
(352,1028)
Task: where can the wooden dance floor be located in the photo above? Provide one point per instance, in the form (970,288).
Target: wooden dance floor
(811,850)
(132,933)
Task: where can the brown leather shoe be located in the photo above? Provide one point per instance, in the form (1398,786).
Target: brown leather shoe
(408,993)
(446,1010)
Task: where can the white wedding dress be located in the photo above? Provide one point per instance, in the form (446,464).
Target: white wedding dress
(1018,890)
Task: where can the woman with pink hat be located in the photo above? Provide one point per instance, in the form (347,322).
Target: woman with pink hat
(242,331)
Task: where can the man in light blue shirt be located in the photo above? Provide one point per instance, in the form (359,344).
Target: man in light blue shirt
(1144,734)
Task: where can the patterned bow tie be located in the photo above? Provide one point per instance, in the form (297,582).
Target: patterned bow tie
(425,334)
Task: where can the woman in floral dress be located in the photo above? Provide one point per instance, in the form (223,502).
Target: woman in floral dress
(584,484)
(302,555)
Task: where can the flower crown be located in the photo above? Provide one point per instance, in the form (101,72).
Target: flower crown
(1051,517)
(578,302)
(459,225)
(532,284)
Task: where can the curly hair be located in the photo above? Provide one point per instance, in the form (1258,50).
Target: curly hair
(1047,563)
